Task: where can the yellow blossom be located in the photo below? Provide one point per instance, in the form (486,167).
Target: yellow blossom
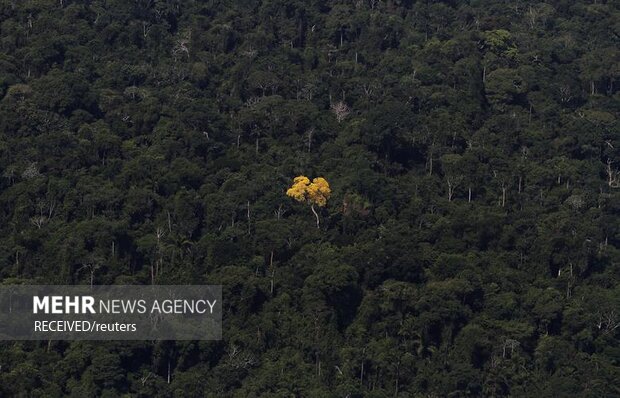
(316,192)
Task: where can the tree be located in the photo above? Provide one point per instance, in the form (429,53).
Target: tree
(316,192)
(453,167)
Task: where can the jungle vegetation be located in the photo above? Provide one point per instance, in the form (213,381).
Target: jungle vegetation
(469,240)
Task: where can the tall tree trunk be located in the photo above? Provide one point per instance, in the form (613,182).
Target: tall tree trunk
(430,163)
(362,373)
(249,224)
(316,215)
(273,273)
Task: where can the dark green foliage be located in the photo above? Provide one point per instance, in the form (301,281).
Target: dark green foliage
(471,244)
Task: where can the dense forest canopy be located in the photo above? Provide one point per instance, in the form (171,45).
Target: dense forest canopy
(470,243)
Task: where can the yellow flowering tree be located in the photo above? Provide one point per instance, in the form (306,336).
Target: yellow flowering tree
(315,193)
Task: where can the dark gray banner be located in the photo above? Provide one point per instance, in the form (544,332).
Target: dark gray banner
(156,312)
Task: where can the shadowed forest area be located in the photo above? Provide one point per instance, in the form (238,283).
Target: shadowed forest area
(469,244)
